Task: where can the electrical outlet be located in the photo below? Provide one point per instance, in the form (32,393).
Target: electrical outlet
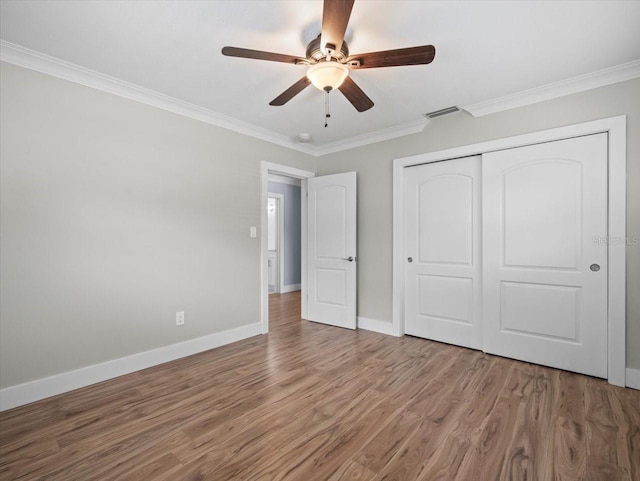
(253,232)
(179,318)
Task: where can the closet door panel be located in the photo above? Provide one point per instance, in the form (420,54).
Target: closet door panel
(442,252)
(544,276)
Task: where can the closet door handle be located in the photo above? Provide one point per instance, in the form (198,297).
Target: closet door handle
(350,259)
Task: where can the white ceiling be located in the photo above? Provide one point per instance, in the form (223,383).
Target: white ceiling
(484,50)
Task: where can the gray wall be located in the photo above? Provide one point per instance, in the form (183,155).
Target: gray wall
(115,215)
(374,166)
(292,239)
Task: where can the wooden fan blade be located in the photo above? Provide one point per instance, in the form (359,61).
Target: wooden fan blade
(291,92)
(355,95)
(335,17)
(395,58)
(260,55)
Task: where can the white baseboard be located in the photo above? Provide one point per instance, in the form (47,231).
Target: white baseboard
(43,388)
(290,288)
(633,378)
(375,325)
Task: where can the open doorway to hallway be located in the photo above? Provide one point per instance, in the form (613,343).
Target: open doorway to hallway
(270,172)
(284,242)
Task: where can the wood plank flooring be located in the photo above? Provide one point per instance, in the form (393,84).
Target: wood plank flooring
(313,402)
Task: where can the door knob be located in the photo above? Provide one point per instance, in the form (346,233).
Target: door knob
(350,259)
(594,267)
(409,259)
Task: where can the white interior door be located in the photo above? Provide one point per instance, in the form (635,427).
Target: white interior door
(545,276)
(274,241)
(331,253)
(442,252)
(272,264)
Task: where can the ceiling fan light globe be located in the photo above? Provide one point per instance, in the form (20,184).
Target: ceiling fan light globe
(327,76)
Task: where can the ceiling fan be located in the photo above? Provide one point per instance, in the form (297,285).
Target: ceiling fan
(329,61)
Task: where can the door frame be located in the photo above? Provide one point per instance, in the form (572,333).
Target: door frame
(280,238)
(615,127)
(267,168)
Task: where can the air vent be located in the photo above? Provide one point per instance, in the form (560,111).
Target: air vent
(441,112)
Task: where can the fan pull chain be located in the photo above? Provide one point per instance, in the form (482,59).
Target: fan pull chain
(327,115)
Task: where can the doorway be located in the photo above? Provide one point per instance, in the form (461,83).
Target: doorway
(276,254)
(290,183)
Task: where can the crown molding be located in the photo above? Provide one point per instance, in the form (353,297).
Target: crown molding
(599,78)
(31,59)
(393,132)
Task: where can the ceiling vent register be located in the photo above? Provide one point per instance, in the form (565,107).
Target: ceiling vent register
(441,112)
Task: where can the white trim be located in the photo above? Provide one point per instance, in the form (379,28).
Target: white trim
(617,216)
(304,200)
(40,62)
(400,130)
(21,394)
(290,288)
(383,327)
(281,251)
(267,169)
(397,285)
(281,179)
(633,378)
(600,78)
(616,129)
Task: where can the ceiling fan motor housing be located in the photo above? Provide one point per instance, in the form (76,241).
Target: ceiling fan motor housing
(314,52)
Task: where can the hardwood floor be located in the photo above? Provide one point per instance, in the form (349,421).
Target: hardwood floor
(313,402)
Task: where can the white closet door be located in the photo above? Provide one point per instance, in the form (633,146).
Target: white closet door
(545,274)
(442,251)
